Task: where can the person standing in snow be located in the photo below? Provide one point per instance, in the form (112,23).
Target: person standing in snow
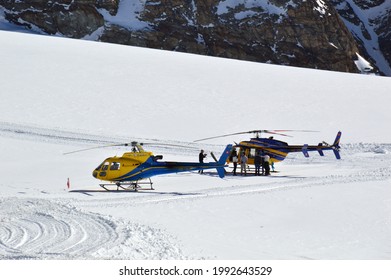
(201,157)
(257,163)
(266,159)
(234,159)
(243,164)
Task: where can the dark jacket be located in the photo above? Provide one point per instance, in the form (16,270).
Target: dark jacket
(257,160)
(201,157)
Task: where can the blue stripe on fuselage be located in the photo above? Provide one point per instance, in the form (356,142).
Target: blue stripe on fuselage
(149,169)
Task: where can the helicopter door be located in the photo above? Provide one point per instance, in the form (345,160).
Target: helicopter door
(114,170)
(251,155)
(114,166)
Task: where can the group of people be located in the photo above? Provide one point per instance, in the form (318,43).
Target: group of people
(261,162)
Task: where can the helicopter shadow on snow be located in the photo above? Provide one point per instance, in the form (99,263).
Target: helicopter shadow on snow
(150,192)
(228,175)
(274,174)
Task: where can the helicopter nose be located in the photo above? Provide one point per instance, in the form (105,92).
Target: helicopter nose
(95,173)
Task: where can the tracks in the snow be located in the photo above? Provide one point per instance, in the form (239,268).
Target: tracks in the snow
(41,229)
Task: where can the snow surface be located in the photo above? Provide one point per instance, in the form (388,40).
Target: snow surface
(321,8)
(363,65)
(60,95)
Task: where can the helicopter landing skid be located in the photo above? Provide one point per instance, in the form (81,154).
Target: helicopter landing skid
(129,186)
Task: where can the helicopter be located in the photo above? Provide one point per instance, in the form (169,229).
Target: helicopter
(276,149)
(128,171)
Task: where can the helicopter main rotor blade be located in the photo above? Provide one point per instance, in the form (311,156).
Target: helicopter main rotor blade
(97,147)
(245,132)
(278,132)
(293,130)
(220,136)
(274,131)
(170,145)
(133,144)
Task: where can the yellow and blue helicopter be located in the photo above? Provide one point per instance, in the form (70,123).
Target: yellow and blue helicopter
(276,149)
(128,170)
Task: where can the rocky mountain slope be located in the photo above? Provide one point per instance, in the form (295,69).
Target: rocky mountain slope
(370,23)
(314,33)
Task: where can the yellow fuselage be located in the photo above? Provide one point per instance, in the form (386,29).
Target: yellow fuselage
(114,168)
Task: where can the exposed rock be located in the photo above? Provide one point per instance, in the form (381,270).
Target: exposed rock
(301,36)
(365,4)
(110,5)
(370,23)
(71,18)
(383,30)
(289,32)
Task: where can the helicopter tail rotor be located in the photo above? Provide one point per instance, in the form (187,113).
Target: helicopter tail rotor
(336,146)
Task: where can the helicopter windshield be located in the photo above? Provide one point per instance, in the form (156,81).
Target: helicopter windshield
(103,166)
(106,164)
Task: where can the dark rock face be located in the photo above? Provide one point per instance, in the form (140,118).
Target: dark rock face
(73,19)
(384,34)
(110,5)
(365,4)
(298,33)
(370,24)
(290,33)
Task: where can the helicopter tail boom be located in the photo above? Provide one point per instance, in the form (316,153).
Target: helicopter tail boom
(324,146)
(223,159)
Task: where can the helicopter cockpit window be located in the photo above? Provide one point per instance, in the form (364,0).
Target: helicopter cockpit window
(105,166)
(114,166)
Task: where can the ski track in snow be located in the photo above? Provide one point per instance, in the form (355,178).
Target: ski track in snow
(64,231)
(376,174)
